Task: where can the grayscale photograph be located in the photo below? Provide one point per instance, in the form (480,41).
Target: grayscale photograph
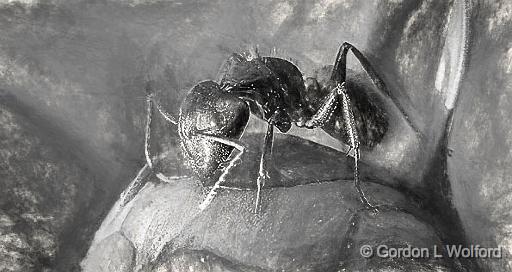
(255,136)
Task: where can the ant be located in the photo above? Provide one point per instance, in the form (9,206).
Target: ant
(214,115)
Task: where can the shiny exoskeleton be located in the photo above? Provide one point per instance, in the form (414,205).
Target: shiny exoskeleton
(214,114)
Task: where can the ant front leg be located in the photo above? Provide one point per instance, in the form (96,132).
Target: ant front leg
(129,193)
(147,137)
(263,169)
(232,163)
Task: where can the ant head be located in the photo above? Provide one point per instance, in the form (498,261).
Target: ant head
(211,109)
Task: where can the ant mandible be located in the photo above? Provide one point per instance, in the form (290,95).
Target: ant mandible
(214,115)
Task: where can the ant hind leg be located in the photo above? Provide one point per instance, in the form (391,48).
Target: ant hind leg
(348,119)
(339,76)
(339,72)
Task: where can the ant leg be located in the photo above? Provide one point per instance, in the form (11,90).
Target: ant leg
(339,75)
(265,157)
(167,116)
(339,93)
(230,142)
(136,185)
(339,72)
(324,114)
(348,119)
(147,136)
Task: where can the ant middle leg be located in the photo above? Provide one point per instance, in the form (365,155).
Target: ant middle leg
(264,159)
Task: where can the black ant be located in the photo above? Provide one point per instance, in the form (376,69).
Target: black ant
(214,115)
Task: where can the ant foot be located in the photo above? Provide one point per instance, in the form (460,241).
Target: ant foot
(262,178)
(368,206)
